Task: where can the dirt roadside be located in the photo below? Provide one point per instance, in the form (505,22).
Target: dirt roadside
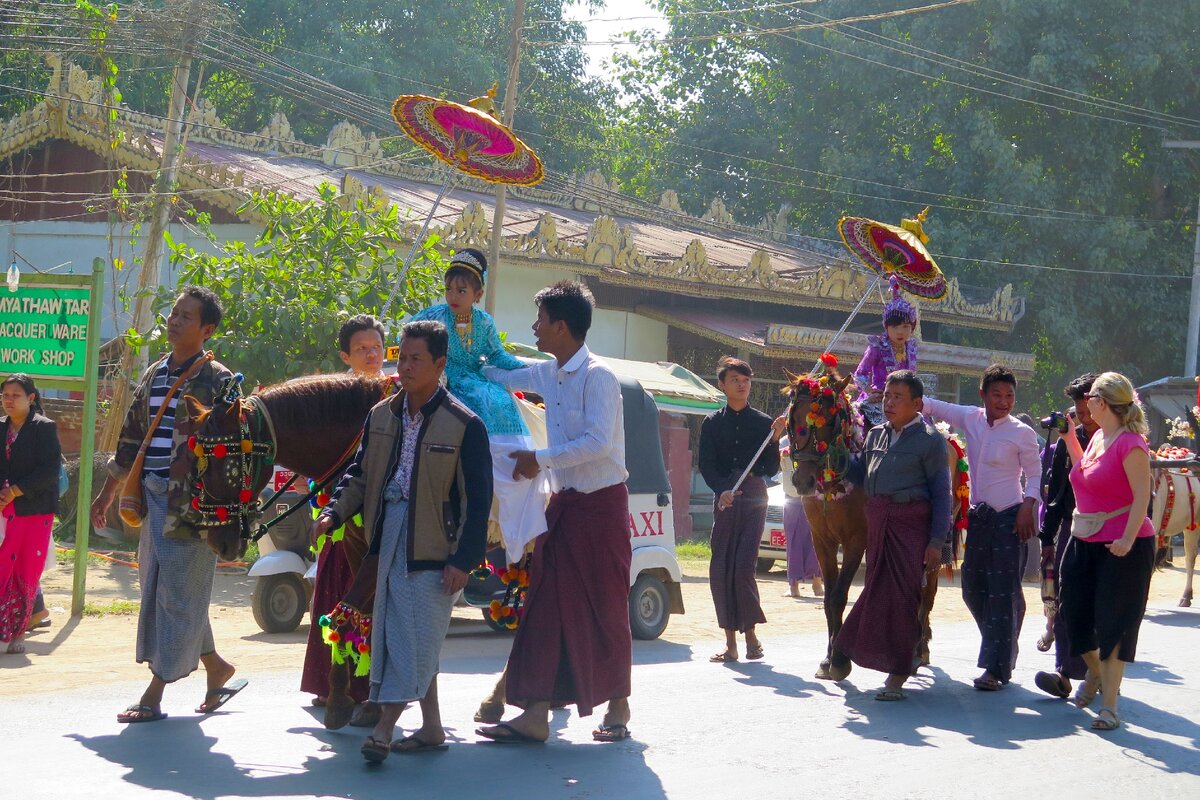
(94,650)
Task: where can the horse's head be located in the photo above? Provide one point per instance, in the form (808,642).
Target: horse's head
(819,416)
(233,451)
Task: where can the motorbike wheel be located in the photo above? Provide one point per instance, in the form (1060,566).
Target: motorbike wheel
(648,608)
(280,601)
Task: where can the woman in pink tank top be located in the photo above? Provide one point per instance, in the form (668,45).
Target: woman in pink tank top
(1107,565)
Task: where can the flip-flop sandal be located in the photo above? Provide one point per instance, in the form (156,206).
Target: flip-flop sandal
(1052,684)
(890,695)
(417,745)
(375,751)
(1086,692)
(610,733)
(507,734)
(987,684)
(1045,642)
(140,713)
(1106,720)
(223,695)
(723,657)
(754,653)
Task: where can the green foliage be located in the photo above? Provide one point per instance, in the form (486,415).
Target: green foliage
(315,265)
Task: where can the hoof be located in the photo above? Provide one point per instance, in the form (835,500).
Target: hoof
(823,672)
(1185,601)
(490,713)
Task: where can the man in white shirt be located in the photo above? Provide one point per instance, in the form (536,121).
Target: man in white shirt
(573,645)
(1000,451)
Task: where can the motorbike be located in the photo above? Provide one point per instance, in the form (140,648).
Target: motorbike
(286,569)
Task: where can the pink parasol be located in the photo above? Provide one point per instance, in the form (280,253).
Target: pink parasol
(899,251)
(468,140)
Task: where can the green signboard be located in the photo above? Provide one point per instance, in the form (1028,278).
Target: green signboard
(44,327)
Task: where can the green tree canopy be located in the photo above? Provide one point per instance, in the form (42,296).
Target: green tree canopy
(315,265)
(854,120)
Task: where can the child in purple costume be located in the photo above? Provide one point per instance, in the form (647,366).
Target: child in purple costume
(896,349)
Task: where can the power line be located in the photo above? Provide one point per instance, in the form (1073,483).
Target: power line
(801,26)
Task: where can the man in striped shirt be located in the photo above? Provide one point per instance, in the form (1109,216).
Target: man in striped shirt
(175,564)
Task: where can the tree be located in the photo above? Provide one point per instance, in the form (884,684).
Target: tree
(851,120)
(315,265)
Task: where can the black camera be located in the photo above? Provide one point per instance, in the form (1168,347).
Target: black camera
(1056,421)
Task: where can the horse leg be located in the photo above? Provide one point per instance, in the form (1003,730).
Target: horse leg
(852,556)
(491,710)
(928,595)
(826,548)
(1191,541)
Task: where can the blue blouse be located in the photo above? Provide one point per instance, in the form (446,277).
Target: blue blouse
(464,371)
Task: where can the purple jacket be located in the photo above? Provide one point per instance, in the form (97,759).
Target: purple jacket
(879,361)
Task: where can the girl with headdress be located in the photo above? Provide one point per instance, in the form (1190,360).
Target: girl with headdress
(895,349)
(475,343)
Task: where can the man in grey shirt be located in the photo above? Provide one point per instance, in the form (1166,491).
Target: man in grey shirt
(907,481)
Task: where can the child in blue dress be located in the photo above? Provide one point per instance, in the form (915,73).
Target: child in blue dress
(474,343)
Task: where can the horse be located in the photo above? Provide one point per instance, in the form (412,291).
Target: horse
(1176,509)
(309,425)
(826,432)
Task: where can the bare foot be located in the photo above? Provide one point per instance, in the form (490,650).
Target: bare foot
(15,648)
(617,712)
(423,738)
(218,672)
(533,727)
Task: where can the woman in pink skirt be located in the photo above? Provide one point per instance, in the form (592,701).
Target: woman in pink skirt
(30,459)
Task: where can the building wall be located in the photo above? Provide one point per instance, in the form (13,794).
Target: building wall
(615,333)
(51,243)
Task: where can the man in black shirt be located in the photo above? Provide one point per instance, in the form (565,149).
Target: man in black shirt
(729,439)
(1055,533)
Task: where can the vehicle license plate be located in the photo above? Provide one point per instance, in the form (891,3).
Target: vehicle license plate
(777,538)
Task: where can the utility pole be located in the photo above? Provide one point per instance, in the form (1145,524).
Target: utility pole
(506,116)
(1193,329)
(192,14)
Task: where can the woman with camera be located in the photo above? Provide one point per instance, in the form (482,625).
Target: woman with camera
(30,455)
(1107,566)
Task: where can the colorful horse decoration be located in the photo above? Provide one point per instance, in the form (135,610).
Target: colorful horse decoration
(1176,509)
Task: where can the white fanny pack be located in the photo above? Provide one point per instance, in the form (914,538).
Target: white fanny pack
(1086,524)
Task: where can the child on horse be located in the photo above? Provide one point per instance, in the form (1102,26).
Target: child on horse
(475,343)
(896,349)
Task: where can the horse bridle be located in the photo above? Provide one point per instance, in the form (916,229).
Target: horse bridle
(244,457)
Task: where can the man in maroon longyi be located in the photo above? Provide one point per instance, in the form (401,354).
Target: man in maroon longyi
(573,645)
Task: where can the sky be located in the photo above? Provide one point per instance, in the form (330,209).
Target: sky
(601,30)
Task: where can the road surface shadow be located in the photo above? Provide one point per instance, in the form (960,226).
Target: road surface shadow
(782,683)
(176,755)
(1011,718)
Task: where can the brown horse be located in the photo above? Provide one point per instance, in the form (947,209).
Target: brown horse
(826,432)
(308,425)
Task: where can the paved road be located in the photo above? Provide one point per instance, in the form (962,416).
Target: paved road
(700,730)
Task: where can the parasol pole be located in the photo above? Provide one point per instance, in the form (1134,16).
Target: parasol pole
(861,302)
(416,246)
